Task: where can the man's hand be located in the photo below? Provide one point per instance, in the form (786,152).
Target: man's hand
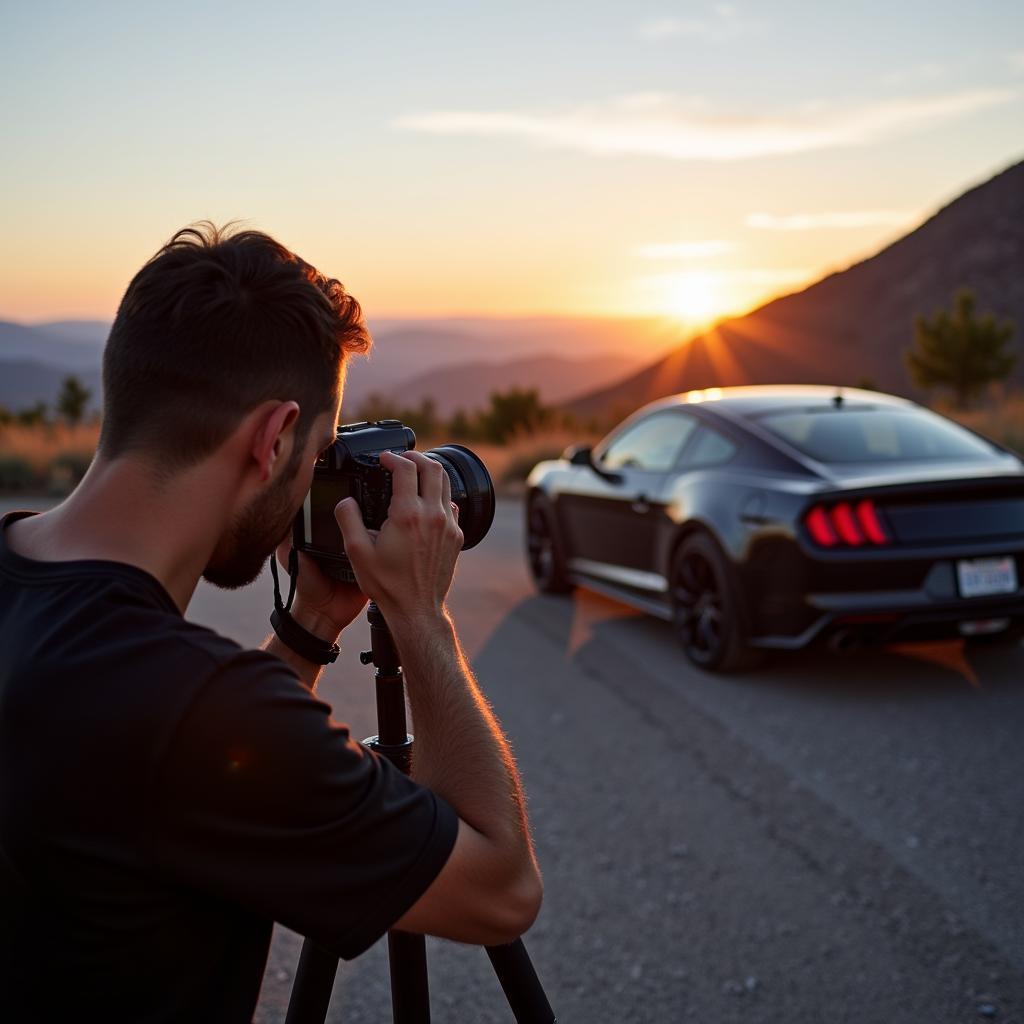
(408,566)
(322,605)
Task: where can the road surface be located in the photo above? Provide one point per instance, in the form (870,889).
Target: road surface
(832,838)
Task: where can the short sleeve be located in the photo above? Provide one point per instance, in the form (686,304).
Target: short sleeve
(265,802)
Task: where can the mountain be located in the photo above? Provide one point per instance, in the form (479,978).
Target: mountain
(24,382)
(411,356)
(443,350)
(93,332)
(468,386)
(40,345)
(856,323)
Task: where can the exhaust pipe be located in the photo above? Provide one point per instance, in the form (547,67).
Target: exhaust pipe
(844,640)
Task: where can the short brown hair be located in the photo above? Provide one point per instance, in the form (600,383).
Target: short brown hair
(215,323)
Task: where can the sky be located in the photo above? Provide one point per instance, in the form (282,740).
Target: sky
(683,160)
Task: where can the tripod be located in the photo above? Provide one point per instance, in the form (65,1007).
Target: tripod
(410,998)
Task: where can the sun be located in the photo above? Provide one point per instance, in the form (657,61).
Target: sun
(695,297)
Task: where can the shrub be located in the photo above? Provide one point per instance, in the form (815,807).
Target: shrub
(16,473)
(66,471)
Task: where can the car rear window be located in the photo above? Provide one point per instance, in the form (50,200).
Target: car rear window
(876,435)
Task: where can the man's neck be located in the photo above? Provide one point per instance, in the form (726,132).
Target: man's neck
(120,513)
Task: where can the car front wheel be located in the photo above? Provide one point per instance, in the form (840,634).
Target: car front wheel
(544,549)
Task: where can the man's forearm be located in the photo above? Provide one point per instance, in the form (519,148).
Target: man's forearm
(460,751)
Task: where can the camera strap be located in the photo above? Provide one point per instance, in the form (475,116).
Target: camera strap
(293,578)
(290,633)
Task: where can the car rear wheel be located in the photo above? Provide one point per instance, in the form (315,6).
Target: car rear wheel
(705,609)
(544,550)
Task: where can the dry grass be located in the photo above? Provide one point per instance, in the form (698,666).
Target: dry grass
(49,458)
(1000,417)
(510,464)
(39,446)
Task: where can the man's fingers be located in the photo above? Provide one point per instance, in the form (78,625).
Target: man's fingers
(431,475)
(353,529)
(446,489)
(404,478)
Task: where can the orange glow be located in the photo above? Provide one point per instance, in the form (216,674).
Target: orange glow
(949,654)
(696,298)
(590,610)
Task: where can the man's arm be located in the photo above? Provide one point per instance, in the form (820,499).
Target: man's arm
(490,889)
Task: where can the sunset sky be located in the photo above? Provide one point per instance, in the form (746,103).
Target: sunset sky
(463,158)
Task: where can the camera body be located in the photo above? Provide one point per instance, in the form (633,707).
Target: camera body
(351,468)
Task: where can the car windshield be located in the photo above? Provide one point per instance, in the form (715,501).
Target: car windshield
(876,435)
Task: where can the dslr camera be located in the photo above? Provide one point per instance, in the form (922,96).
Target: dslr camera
(351,468)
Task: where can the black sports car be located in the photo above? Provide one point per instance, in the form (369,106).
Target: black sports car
(776,517)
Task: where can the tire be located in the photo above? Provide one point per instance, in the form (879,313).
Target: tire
(544,550)
(706,613)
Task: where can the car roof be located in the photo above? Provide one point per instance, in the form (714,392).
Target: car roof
(756,399)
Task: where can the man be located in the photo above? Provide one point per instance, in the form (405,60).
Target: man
(166,795)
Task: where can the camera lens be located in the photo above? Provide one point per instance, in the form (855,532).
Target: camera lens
(472,490)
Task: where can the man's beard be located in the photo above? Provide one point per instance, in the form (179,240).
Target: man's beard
(252,537)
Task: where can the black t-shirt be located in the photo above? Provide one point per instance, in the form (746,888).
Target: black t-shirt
(165,795)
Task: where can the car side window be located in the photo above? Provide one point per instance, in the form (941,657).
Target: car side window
(653,443)
(708,448)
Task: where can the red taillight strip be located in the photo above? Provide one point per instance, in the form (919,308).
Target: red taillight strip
(820,527)
(846,525)
(870,522)
(843,524)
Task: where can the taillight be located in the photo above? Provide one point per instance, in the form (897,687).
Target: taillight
(845,525)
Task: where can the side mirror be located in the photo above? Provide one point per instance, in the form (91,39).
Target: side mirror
(579,455)
(583,455)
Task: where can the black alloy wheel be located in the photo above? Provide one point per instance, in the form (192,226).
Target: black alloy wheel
(705,610)
(544,549)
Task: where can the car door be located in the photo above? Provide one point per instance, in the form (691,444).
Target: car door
(613,519)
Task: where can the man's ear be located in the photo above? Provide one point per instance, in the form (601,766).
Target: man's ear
(274,436)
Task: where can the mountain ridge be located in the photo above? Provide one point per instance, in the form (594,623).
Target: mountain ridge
(854,324)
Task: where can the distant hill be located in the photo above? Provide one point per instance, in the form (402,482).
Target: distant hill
(92,332)
(20,378)
(409,356)
(42,345)
(469,386)
(855,324)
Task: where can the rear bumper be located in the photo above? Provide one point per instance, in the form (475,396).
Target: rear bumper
(904,597)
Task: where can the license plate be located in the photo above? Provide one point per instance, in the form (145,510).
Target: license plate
(981,576)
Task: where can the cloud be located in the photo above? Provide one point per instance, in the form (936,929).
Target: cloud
(764,276)
(686,128)
(927,72)
(685,250)
(829,219)
(722,21)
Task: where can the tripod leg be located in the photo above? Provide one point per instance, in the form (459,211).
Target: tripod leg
(314,981)
(520,984)
(410,998)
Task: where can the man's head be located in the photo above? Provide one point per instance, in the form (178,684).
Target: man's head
(222,331)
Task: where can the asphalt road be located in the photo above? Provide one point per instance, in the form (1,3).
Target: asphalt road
(831,838)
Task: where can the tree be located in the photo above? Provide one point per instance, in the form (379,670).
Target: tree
(422,418)
(460,426)
(72,400)
(33,416)
(512,412)
(960,350)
